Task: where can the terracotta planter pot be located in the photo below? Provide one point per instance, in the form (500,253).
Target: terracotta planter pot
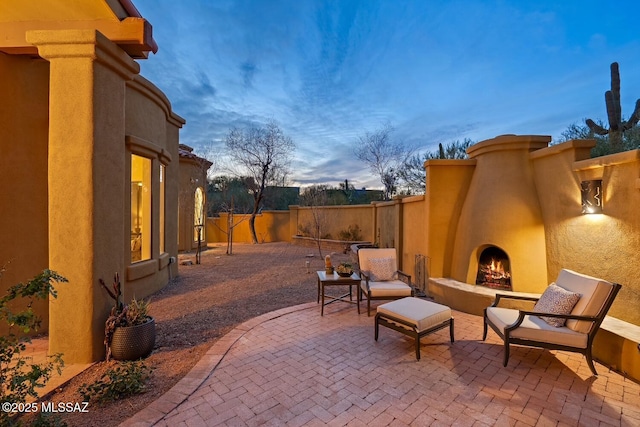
(133,342)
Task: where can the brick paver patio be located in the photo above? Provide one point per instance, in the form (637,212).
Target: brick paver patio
(292,367)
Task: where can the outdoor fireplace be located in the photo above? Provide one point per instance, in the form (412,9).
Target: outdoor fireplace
(494,269)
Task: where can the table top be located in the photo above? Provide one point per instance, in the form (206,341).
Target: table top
(324,277)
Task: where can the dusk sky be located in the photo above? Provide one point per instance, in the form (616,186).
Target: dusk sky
(438,71)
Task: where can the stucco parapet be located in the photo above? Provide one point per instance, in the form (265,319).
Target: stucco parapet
(384,203)
(91,44)
(450,162)
(509,142)
(332,206)
(150,91)
(574,144)
(609,160)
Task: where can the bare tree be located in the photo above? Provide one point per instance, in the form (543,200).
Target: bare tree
(262,153)
(316,198)
(384,156)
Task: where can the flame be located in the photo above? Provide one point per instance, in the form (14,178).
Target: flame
(496,266)
(494,273)
(495,270)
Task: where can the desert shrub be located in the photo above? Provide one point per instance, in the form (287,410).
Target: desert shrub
(19,377)
(352,232)
(304,230)
(122,380)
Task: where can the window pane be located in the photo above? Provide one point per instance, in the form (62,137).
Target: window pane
(161,219)
(140,208)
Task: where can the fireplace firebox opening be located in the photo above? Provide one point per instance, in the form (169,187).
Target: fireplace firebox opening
(494,269)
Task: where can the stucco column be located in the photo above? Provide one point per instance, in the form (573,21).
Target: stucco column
(87,178)
(399,230)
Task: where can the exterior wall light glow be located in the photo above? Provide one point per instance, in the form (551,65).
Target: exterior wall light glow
(591,196)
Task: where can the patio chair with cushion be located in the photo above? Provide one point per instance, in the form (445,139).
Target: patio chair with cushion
(566,317)
(381,279)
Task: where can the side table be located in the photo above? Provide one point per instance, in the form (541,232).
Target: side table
(325,279)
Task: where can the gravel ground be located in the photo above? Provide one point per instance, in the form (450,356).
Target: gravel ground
(197,308)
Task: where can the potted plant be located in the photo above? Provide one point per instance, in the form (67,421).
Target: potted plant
(344,269)
(129,333)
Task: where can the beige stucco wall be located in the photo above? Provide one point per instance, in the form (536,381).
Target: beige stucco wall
(23,173)
(152,131)
(385,227)
(604,245)
(446,189)
(337,218)
(69,125)
(414,236)
(86,222)
(271,226)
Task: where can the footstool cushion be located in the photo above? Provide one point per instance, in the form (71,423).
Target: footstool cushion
(414,317)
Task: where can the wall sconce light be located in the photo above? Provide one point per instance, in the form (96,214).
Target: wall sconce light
(591,196)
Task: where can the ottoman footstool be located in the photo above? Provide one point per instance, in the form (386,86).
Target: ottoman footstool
(414,317)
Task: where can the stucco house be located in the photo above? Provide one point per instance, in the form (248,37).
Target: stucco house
(192,199)
(89,171)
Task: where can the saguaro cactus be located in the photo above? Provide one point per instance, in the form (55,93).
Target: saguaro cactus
(617,126)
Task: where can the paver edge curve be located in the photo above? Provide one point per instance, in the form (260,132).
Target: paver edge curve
(203,369)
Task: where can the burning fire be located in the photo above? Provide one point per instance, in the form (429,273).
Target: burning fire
(494,271)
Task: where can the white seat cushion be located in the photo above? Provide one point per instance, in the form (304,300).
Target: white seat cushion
(534,328)
(390,288)
(420,313)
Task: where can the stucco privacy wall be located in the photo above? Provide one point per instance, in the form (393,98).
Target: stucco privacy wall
(386,229)
(23,167)
(412,215)
(271,226)
(335,219)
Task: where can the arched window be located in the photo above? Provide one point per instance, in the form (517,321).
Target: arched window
(198,214)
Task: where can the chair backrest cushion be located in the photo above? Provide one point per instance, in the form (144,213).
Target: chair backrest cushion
(378,263)
(594,293)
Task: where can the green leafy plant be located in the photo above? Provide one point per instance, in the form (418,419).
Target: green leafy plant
(122,380)
(122,314)
(344,269)
(19,378)
(138,312)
